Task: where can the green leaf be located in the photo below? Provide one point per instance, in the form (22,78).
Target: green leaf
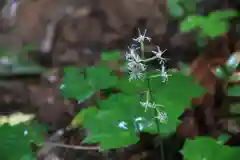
(15,140)
(235,108)
(191,22)
(175,9)
(212,32)
(79,118)
(234,91)
(175,98)
(222,139)
(100,77)
(107,132)
(223,14)
(209,149)
(112,141)
(110,56)
(74,85)
(201,148)
(131,87)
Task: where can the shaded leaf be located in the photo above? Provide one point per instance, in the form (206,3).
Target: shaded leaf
(234,91)
(15,140)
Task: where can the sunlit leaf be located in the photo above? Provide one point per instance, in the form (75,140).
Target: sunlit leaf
(16,118)
(191,22)
(79,118)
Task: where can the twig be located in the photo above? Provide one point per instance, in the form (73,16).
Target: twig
(75,147)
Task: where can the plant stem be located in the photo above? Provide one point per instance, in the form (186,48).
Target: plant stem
(156,121)
(149,59)
(142,49)
(76,147)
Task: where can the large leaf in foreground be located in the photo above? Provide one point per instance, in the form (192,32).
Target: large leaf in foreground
(15,140)
(175,96)
(209,149)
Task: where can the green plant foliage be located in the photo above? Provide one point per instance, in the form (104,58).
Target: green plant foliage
(223,15)
(178,8)
(118,108)
(234,91)
(235,108)
(110,56)
(125,108)
(15,140)
(206,24)
(191,22)
(100,77)
(81,84)
(175,9)
(175,98)
(79,118)
(131,88)
(208,149)
(74,85)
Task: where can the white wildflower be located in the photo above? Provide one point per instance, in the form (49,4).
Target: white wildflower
(123,125)
(132,55)
(159,55)
(142,37)
(134,65)
(136,71)
(162,116)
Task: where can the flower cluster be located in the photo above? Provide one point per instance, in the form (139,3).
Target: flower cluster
(137,65)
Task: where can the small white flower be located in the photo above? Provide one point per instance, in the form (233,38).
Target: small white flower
(135,75)
(25,132)
(123,125)
(159,55)
(142,37)
(132,55)
(162,116)
(164,73)
(136,71)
